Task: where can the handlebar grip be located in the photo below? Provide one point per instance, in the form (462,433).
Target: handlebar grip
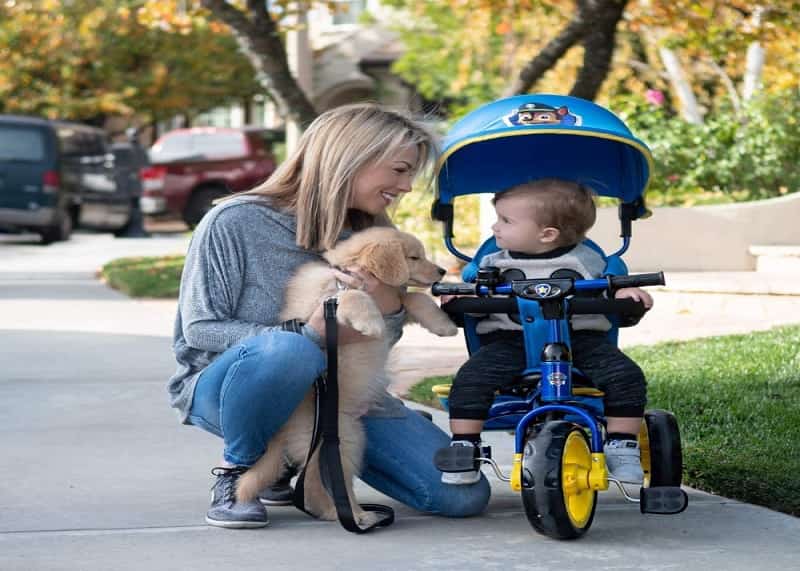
(481,305)
(638,280)
(440,288)
(621,307)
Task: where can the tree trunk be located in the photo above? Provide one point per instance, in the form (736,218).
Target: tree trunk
(752,72)
(690,109)
(598,48)
(260,41)
(755,60)
(555,49)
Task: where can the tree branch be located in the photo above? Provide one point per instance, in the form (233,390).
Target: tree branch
(259,39)
(572,33)
(598,45)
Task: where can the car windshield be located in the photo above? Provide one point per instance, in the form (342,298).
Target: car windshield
(188,145)
(21,144)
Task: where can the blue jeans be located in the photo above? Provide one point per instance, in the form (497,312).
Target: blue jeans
(246,394)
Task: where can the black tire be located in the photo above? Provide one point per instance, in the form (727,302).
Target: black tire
(554,505)
(59,231)
(201,201)
(662,454)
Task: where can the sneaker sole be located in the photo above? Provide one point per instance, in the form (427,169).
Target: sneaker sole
(236,524)
(275,503)
(463,481)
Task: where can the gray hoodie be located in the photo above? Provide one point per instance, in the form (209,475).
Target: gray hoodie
(240,258)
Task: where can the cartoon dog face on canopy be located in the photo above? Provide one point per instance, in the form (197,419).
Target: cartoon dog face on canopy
(541,114)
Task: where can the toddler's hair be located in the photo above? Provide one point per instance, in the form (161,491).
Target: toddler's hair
(562,204)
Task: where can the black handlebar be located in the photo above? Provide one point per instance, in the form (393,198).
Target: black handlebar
(577,306)
(638,280)
(440,288)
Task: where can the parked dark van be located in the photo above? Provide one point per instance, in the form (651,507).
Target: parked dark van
(55,176)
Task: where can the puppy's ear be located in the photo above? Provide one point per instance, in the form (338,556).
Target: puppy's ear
(387,261)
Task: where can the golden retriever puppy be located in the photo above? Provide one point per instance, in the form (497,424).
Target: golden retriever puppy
(397,259)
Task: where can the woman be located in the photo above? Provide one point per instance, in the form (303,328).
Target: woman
(240,372)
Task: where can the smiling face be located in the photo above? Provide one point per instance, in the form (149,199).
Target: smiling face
(516,228)
(379,184)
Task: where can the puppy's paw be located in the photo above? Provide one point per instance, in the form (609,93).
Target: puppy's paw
(366,519)
(444,328)
(357,310)
(329,515)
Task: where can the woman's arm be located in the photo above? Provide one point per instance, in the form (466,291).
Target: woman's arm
(211,285)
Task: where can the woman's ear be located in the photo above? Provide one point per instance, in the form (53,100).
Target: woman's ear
(386,261)
(549,234)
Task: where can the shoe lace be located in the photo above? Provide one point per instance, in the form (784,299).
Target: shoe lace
(226,480)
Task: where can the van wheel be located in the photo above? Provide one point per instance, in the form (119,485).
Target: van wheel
(58,232)
(201,201)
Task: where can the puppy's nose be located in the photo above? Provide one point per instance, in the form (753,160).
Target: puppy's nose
(441,271)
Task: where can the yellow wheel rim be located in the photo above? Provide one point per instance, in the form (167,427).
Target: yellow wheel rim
(575,465)
(644,448)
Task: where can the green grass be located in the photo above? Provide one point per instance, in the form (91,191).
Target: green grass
(737,400)
(145,276)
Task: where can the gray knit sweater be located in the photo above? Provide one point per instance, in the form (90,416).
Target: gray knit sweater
(240,258)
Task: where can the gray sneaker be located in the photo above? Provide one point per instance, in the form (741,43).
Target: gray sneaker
(225,511)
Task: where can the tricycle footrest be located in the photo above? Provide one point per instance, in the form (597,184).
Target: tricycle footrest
(663,500)
(457,458)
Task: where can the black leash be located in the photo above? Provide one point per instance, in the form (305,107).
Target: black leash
(326,430)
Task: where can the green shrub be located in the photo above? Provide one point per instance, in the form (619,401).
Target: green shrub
(730,157)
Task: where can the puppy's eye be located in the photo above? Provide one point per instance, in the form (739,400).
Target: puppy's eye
(414,258)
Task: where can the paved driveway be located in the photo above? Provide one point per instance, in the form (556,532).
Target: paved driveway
(97,474)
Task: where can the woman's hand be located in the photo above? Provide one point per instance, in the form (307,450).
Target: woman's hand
(635,293)
(386,297)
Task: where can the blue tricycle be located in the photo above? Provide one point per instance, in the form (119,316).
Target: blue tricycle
(553,410)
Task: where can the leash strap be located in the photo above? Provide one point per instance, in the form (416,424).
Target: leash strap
(326,430)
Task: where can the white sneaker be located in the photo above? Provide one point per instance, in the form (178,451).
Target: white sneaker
(623,460)
(461,478)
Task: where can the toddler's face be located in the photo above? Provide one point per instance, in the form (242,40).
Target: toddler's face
(516,228)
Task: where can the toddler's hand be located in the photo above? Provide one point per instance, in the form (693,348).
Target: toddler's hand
(635,293)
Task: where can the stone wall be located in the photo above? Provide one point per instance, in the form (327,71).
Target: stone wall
(704,238)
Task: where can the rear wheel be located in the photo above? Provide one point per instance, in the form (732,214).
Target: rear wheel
(201,201)
(660,445)
(555,481)
(59,231)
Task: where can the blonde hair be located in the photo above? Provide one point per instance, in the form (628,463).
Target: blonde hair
(316,181)
(562,204)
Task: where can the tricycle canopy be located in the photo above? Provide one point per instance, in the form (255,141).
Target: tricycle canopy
(528,137)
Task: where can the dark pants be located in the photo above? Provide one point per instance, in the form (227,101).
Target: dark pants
(502,356)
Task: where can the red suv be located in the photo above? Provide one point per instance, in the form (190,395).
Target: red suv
(190,168)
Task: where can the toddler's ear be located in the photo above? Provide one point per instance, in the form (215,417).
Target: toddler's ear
(549,234)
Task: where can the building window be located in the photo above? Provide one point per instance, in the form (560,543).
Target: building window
(347,12)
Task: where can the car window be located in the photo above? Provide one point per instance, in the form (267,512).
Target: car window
(21,144)
(77,141)
(124,156)
(188,145)
(69,140)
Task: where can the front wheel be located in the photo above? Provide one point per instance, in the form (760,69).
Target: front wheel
(555,481)
(660,445)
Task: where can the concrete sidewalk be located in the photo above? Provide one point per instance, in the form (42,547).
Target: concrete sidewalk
(98,474)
